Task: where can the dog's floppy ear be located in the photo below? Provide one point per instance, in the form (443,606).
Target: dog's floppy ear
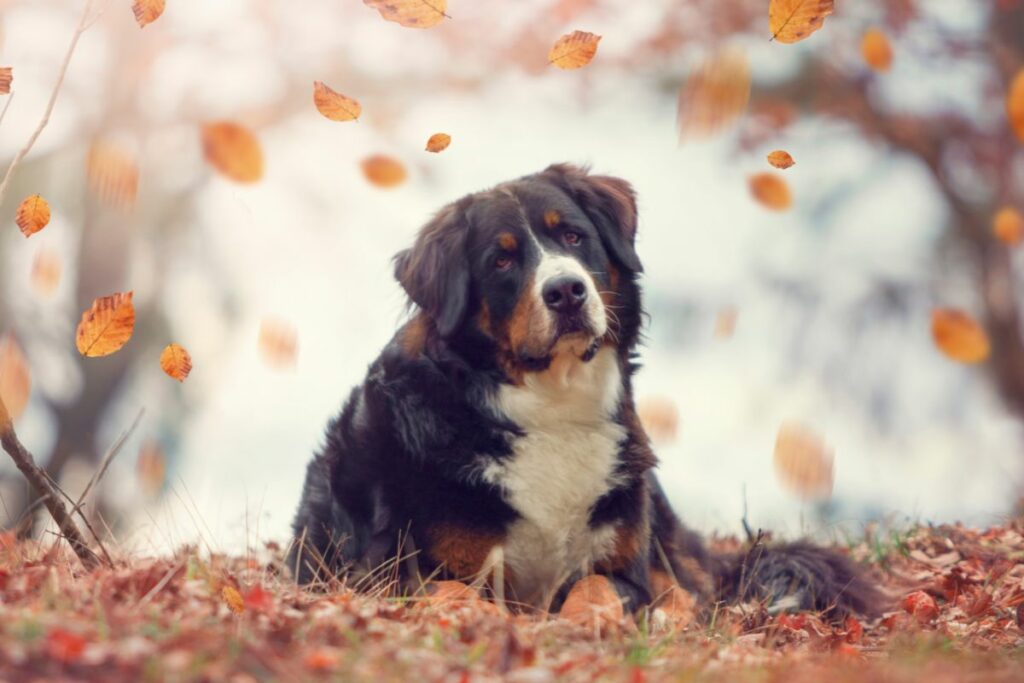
(610,203)
(435,271)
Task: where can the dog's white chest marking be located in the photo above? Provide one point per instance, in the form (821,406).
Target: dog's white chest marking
(560,467)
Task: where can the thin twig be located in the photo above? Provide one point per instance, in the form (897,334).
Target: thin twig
(7,104)
(108,457)
(81,515)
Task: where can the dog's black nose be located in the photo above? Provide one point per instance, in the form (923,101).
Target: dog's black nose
(564,294)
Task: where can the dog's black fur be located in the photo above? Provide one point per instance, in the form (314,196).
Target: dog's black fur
(402,468)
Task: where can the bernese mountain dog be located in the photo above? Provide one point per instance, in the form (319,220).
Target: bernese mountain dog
(496,434)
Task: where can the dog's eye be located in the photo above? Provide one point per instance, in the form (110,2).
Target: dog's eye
(572,238)
(503,262)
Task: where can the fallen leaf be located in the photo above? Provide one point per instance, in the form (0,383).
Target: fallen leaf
(876,50)
(593,603)
(64,646)
(320,660)
(791,21)
(278,343)
(383,171)
(147,11)
(6,78)
(679,607)
(333,105)
(803,462)
(113,175)
(771,190)
(1008,225)
(46,271)
(15,378)
(781,159)
(1015,104)
(258,599)
(233,150)
(574,50)
(233,599)
(176,362)
(958,335)
(448,593)
(854,629)
(411,13)
(659,417)
(438,142)
(106,326)
(32,215)
(921,605)
(714,95)
(151,467)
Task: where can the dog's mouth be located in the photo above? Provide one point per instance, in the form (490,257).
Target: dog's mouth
(580,341)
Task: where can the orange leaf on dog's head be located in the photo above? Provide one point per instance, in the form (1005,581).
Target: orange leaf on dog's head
(714,95)
(958,335)
(876,50)
(176,362)
(147,11)
(32,215)
(383,171)
(6,77)
(106,326)
(438,142)
(1015,104)
(803,462)
(333,105)
(233,150)
(781,159)
(771,190)
(574,50)
(411,13)
(15,378)
(1008,225)
(791,21)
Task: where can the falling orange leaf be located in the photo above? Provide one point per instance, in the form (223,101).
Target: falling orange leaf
(233,599)
(725,322)
(176,362)
(411,13)
(574,50)
(278,343)
(15,378)
(803,462)
(438,142)
(958,335)
(1015,104)
(781,159)
(32,215)
(113,175)
(46,271)
(715,94)
(383,171)
(147,11)
(659,417)
(6,78)
(233,150)
(151,468)
(876,49)
(106,326)
(771,190)
(791,21)
(333,104)
(1008,225)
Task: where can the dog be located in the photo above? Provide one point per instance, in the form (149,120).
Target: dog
(496,433)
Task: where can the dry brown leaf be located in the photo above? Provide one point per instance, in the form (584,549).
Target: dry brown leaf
(593,603)
(15,378)
(958,335)
(383,171)
(151,467)
(1015,104)
(6,78)
(803,462)
(278,343)
(113,175)
(106,326)
(678,606)
(1008,225)
(791,21)
(333,104)
(659,417)
(46,271)
(32,215)
(233,150)
(438,142)
(714,95)
(147,11)
(176,362)
(574,50)
(771,190)
(781,159)
(876,49)
(411,13)
(233,599)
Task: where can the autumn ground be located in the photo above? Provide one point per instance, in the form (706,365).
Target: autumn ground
(957,616)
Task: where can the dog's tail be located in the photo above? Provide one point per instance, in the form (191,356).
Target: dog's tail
(795,576)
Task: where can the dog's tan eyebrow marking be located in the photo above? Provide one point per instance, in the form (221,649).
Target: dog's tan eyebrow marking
(508,241)
(552,218)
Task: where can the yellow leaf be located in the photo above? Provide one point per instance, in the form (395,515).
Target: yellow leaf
(113,175)
(151,467)
(876,50)
(6,77)
(32,215)
(106,326)
(574,50)
(1015,104)
(659,417)
(803,462)
(233,599)
(958,335)
(715,94)
(791,21)
(1008,225)
(438,142)
(278,343)
(383,171)
(46,271)
(176,362)
(147,11)
(771,190)
(411,13)
(233,151)
(15,378)
(781,159)
(334,105)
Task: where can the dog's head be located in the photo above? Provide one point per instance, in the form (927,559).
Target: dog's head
(542,265)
